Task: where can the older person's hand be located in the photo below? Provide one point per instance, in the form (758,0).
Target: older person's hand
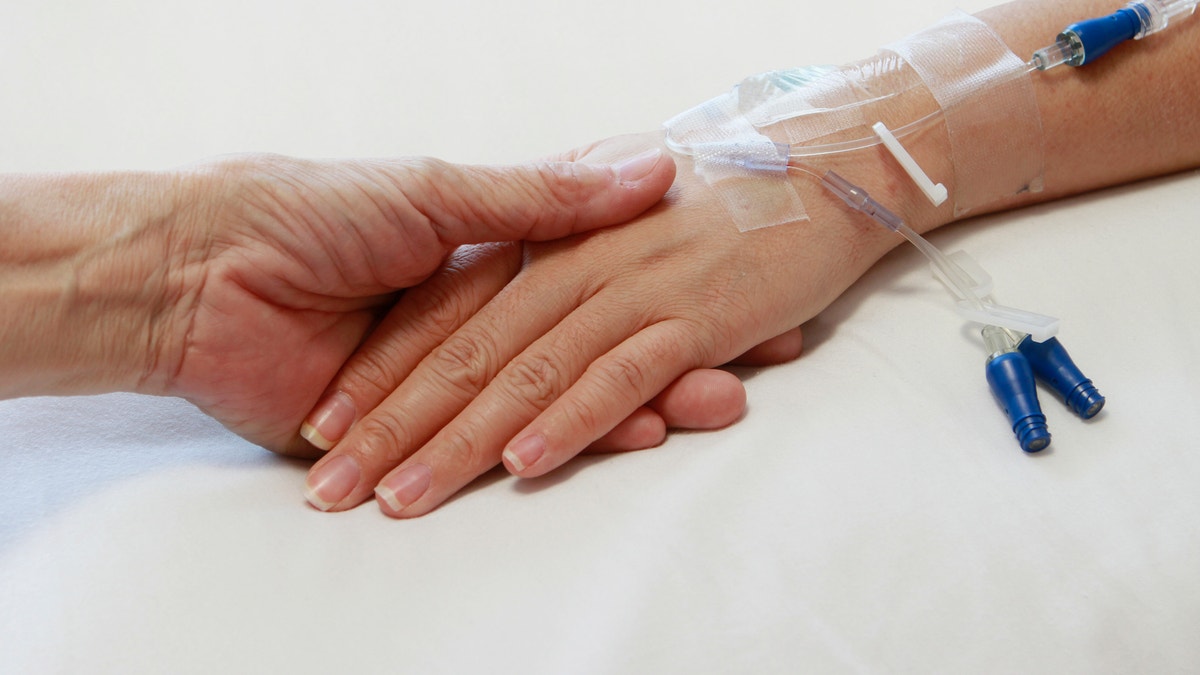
(245,283)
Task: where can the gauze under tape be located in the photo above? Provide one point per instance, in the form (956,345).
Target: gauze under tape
(740,142)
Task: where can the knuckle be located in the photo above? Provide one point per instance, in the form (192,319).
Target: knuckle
(468,457)
(444,303)
(552,192)
(464,362)
(704,343)
(626,371)
(431,187)
(585,412)
(535,378)
(382,436)
(566,182)
(374,372)
(429,168)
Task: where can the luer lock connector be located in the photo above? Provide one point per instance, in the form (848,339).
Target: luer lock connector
(1011,379)
(1053,365)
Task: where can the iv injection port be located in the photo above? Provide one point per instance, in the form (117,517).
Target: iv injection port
(1064,50)
(1052,364)
(858,199)
(1011,380)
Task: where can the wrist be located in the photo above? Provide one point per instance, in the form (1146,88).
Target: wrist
(86,271)
(877,172)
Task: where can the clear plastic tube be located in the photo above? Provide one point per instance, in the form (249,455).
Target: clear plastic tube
(858,199)
(802,151)
(1156,15)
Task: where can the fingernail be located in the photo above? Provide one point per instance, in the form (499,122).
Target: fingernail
(524,453)
(329,421)
(331,482)
(635,168)
(402,489)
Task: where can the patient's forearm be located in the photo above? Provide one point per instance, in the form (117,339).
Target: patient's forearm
(78,288)
(1133,114)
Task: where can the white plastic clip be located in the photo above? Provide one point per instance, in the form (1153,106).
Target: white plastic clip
(936,193)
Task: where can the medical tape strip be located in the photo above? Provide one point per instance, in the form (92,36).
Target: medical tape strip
(988,106)
(746,170)
(739,141)
(800,104)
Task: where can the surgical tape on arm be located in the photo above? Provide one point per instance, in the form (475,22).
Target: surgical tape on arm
(988,106)
(747,169)
(740,142)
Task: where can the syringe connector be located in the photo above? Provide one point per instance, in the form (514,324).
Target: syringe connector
(1062,51)
(858,199)
(1083,42)
(1156,15)
(1094,38)
(1011,380)
(1053,365)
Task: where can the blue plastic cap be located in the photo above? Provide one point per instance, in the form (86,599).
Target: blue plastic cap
(1011,380)
(1100,35)
(1053,365)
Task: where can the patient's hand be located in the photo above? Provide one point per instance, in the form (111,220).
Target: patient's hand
(528,356)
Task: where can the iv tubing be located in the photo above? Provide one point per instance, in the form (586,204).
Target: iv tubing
(800,151)
(858,199)
(863,143)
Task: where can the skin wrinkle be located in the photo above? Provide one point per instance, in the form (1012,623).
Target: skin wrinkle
(313,217)
(465,363)
(296,247)
(387,437)
(161,311)
(373,367)
(390,211)
(536,380)
(374,266)
(429,176)
(438,303)
(399,178)
(183,289)
(178,361)
(526,206)
(332,222)
(569,185)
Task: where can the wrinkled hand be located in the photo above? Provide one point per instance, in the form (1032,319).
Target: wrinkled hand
(278,268)
(546,353)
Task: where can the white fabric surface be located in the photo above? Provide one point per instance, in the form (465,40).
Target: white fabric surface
(872,512)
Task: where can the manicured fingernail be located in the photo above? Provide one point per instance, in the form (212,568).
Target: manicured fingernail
(402,489)
(331,482)
(524,453)
(638,167)
(329,421)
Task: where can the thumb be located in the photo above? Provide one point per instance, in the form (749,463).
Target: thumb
(537,201)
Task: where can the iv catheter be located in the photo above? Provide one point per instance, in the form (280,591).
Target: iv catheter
(1021,345)
(1014,359)
(1078,44)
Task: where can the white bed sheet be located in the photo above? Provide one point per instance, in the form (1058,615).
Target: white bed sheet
(872,512)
